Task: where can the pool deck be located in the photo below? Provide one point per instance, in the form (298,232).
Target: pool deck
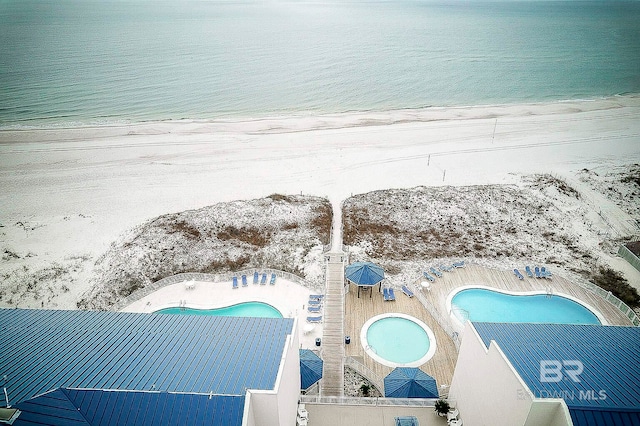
(288,297)
(441,366)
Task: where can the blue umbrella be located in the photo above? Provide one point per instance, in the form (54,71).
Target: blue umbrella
(405,382)
(364,274)
(310,368)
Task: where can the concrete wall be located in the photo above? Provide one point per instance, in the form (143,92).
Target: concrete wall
(278,407)
(485,388)
(549,412)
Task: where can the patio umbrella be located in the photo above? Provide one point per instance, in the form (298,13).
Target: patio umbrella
(405,382)
(364,274)
(310,368)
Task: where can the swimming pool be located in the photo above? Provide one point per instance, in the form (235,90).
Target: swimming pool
(245,309)
(490,305)
(398,340)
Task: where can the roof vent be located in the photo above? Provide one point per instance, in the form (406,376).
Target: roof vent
(8,415)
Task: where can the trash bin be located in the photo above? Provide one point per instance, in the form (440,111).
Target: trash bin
(318,341)
(347,339)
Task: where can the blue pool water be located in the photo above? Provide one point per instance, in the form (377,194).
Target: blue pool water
(398,340)
(247,309)
(492,306)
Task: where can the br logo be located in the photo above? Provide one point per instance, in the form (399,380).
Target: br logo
(553,370)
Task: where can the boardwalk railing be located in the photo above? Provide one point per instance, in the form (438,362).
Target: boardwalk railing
(365,372)
(445,323)
(213,278)
(377,402)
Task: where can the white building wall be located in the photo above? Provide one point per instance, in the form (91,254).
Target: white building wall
(485,388)
(549,412)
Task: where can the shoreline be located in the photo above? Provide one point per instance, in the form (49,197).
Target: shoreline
(308,121)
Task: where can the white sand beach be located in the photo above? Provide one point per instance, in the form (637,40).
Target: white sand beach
(67,194)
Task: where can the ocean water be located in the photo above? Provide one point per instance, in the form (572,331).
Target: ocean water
(72,62)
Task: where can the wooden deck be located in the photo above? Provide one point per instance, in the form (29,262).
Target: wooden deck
(332,348)
(441,366)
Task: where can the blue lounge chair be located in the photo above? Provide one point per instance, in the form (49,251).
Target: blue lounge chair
(458,264)
(316,296)
(315,302)
(392,295)
(315,319)
(255,277)
(406,291)
(544,273)
(263,280)
(527,269)
(385,294)
(429,277)
(536,271)
(314,309)
(272,281)
(244,281)
(518,274)
(235,282)
(435,272)
(445,268)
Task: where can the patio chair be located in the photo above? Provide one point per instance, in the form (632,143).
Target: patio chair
(314,309)
(385,294)
(272,281)
(315,319)
(453,415)
(445,268)
(263,280)
(315,302)
(316,296)
(235,282)
(406,291)
(429,277)
(518,274)
(244,281)
(458,264)
(545,273)
(527,269)
(392,295)
(536,271)
(255,277)
(435,272)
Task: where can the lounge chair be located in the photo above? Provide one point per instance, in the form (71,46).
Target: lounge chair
(255,277)
(518,274)
(315,309)
(435,272)
(536,271)
(244,281)
(315,319)
(392,295)
(316,296)
(235,282)
(527,269)
(385,294)
(263,280)
(406,291)
(458,264)
(429,277)
(445,268)
(272,281)
(315,302)
(544,273)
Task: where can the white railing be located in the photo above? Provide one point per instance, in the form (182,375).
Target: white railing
(202,277)
(378,402)
(365,372)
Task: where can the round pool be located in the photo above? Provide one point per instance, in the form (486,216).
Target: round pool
(398,340)
(489,305)
(245,309)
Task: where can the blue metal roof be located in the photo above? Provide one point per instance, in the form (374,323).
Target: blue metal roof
(310,368)
(608,391)
(41,350)
(88,407)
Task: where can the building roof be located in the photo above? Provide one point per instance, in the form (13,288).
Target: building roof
(609,356)
(42,350)
(91,407)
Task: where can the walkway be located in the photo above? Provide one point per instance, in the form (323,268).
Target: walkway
(332,383)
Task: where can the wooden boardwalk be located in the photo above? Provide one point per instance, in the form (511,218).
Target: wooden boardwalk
(332,348)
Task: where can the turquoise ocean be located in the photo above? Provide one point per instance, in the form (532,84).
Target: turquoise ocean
(87,62)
